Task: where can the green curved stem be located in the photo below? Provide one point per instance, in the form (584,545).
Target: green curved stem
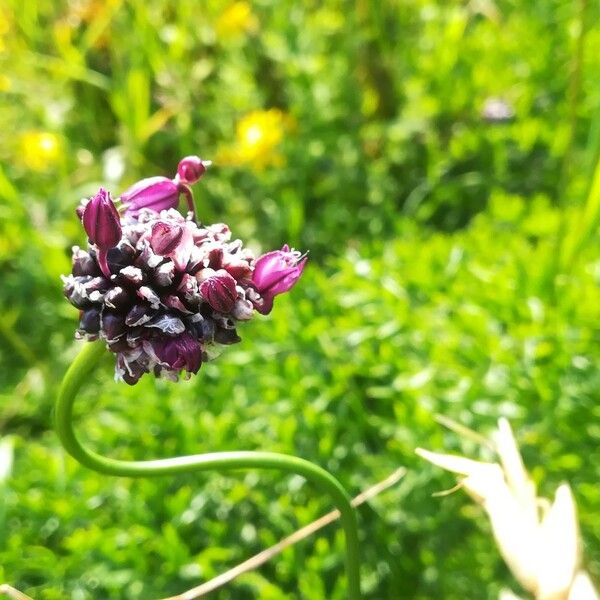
(80,371)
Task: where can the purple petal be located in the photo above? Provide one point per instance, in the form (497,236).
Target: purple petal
(113,325)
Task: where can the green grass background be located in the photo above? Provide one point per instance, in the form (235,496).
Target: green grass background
(454,269)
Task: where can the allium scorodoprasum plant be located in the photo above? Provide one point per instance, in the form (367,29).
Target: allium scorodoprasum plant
(162,291)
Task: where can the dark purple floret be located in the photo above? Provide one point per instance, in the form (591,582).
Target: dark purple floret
(181,352)
(219,290)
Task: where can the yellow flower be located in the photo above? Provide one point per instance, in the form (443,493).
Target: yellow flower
(236,19)
(258,136)
(39,150)
(4,23)
(4,29)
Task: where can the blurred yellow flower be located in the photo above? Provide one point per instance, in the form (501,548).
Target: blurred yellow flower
(4,23)
(4,29)
(5,83)
(39,150)
(258,135)
(236,19)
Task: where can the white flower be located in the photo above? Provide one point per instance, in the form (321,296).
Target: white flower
(539,541)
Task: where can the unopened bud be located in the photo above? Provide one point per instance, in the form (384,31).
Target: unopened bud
(226,336)
(90,321)
(182,352)
(275,273)
(165,237)
(219,291)
(83,263)
(156,193)
(191,168)
(118,298)
(113,325)
(101,221)
(172,240)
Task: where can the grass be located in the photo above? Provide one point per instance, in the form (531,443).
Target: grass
(453,270)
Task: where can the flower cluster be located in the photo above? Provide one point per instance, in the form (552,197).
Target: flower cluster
(162,291)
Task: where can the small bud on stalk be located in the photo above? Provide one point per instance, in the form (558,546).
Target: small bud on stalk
(191,168)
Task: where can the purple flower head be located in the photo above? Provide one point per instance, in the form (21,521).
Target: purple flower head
(163,292)
(156,193)
(191,168)
(275,273)
(181,352)
(219,291)
(101,221)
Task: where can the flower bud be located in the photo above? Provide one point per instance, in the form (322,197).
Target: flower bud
(239,269)
(75,292)
(226,336)
(129,371)
(135,335)
(164,274)
(275,273)
(101,221)
(191,168)
(120,256)
(132,275)
(118,298)
(242,310)
(175,302)
(118,345)
(90,321)
(219,291)
(172,240)
(139,314)
(95,288)
(182,352)
(113,325)
(156,193)
(83,263)
(165,237)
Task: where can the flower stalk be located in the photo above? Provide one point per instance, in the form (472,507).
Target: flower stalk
(163,293)
(80,372)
